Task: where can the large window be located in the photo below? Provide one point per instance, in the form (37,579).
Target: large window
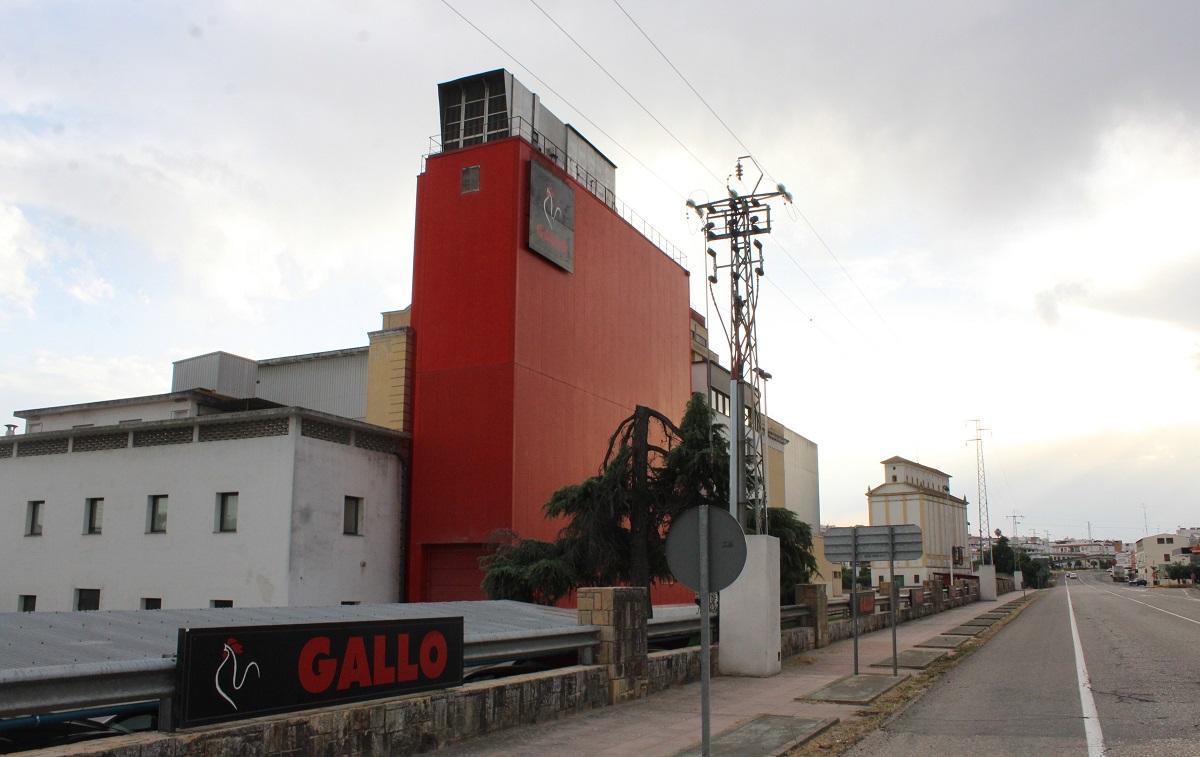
(33,517)
(87,599)
(156,514)
(352,516)
(227,512)
(719,401)
(93,515)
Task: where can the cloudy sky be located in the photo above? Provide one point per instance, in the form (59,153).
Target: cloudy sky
(997,208)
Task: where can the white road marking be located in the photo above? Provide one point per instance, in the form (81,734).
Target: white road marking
(1091,717)
(1147,604)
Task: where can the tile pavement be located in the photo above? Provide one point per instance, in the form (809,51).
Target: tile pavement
(668,722)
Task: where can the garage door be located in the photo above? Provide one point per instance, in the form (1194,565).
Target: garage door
(452,572)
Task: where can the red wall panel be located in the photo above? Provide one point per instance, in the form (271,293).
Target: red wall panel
(523,370)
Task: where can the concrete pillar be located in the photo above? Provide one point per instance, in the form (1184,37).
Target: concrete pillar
(987,582)
(916,600)
(813,597)
(620,612)
(750,642)
(937,595)
(1018,580)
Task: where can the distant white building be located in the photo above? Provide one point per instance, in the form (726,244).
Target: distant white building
(195,499)
(1155,552)
(918,494)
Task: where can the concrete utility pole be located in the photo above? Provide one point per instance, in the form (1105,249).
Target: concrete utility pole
(739,218)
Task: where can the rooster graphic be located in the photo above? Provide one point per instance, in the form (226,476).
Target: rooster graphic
(232,649)
(552,213)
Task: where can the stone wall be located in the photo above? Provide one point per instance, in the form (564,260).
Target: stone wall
(796,640)
(677,667)
(405,725)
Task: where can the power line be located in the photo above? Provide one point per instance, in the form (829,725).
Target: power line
(699,96)
(565,101)
(743,145)
(638,102)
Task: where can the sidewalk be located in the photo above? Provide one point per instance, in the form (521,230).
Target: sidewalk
(669,722)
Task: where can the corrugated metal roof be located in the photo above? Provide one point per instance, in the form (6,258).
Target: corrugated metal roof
(37,639)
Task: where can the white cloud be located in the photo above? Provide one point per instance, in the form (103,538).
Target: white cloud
(88,286)
(20,251)
(56,378)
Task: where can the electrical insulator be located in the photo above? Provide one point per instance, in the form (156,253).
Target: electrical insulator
(738,170)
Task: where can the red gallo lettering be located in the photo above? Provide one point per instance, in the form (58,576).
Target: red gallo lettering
(358,665)
(316,679)
(549,237)
(433,664)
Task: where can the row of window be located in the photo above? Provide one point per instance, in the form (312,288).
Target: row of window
(719,402)
(225,516)
(156,514)
(89,599)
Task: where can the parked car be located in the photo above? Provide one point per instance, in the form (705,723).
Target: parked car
(1072,575)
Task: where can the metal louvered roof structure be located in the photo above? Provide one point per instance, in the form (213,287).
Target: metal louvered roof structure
(57,660)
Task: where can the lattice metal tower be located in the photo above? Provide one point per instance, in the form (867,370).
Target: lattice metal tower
(985,523)
(739,218)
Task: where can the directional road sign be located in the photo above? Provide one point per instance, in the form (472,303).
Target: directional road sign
(874,543)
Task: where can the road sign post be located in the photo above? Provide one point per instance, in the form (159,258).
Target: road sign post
(867,543)
(892,597)
(706,551)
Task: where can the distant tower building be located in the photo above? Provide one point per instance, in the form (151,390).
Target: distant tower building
(917,494)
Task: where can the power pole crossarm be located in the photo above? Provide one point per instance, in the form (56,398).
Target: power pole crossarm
(739,218)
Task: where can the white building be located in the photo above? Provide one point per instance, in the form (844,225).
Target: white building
(194,499)
(1154,551)
(917,494)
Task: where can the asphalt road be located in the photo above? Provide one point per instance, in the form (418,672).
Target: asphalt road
(1020,694)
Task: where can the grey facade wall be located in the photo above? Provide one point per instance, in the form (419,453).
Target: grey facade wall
(336,385)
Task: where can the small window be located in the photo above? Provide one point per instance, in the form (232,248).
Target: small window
(893,478)
(349,602)
(156,514)
(151,603)
(227,512)
(1160,540)
(470,179)
(32,428)
(352,516)
(93,515)
(220,603)
(27,602)
(917,580)
(87,599)
(33,517)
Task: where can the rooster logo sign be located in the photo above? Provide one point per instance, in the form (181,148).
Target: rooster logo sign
(230,653)
(552,212)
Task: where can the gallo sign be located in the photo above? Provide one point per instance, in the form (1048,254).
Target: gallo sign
(238,672)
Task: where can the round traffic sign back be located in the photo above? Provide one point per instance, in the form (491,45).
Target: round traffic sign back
(726,549)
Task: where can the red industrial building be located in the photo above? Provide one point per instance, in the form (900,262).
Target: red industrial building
(541,319)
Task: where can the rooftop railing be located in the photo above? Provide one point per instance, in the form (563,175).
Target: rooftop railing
(519,127)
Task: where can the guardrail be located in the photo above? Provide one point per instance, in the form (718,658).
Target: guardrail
(29,691)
